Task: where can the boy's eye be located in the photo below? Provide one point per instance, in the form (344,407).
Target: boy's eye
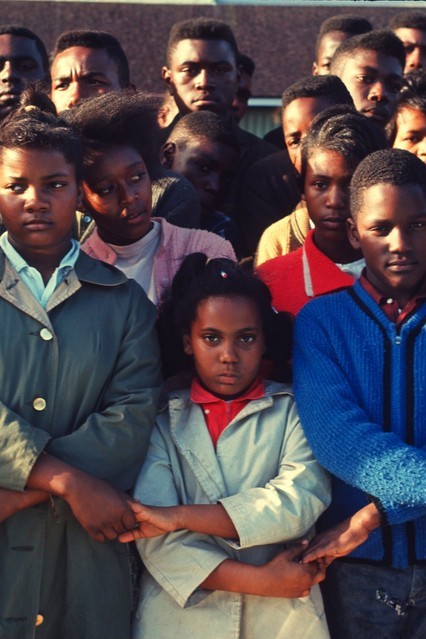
(293,142)
(27,65)
(320,185)
(211,338)
(418,225)
(380,229)
(61,86)
(365,79)
(203,167)
(248,339)
(16,188)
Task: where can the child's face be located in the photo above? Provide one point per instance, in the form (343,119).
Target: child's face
(411,132)
(209,166)
(414,42)
(328,45)
(326,192)
(117,192)
(39,195)
(202,75)
(390,229)
(226,342)
(374,81)
(297,118)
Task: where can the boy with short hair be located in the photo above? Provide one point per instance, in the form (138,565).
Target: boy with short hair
(337,141)
(332,33)
(23,60)
(371,66)
(410,27)
(85,64)
(204,148)
(202,75)
(360,371)
(301,102)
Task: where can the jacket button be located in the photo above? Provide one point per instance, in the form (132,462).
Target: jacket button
(46,334)
(39,403)
(39,620)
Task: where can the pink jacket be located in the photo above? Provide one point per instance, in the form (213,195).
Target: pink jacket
(175,244)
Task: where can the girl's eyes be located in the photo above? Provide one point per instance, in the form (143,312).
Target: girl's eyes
(244,339)
(137,177)
(110,188)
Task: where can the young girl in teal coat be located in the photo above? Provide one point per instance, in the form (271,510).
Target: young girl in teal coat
(79,377)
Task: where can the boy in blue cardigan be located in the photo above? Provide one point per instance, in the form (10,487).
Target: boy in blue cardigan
(360,382)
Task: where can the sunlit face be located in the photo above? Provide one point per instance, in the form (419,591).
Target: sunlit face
(390,229)
(39,195)
(297,118)
(411,132)
(414,42)
(20,64)
(226,342)
(326,193)
(209,166)
(328,45)
(202,76)
(374,81)
(79,73)
(117,193)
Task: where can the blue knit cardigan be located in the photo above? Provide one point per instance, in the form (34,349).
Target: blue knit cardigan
(360,387)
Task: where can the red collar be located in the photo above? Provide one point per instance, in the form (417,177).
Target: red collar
(390,306)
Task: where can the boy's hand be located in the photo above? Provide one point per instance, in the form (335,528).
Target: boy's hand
(285,576)
(102,510)
(12,501)
(153,522)
(342,539)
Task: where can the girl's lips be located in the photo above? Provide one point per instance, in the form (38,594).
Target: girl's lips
(38,225)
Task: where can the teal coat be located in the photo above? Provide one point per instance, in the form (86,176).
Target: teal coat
(79,380)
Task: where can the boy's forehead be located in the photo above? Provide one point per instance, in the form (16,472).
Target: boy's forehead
(329,43)
(12,46)
(411,36)
(299,114)
(383,200)
(362,58)
(193,50)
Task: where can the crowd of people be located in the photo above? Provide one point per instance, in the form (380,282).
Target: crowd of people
(214,350)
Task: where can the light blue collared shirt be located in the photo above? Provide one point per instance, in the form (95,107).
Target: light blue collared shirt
(32,277)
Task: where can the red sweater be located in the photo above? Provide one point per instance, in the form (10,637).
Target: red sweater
(297,277)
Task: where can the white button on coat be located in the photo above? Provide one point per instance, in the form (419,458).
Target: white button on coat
(46,334)
(39,403)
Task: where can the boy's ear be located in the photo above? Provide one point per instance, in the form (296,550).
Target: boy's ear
(167,154)
(353,233)
(314,68)
(187,346)
(165,74)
